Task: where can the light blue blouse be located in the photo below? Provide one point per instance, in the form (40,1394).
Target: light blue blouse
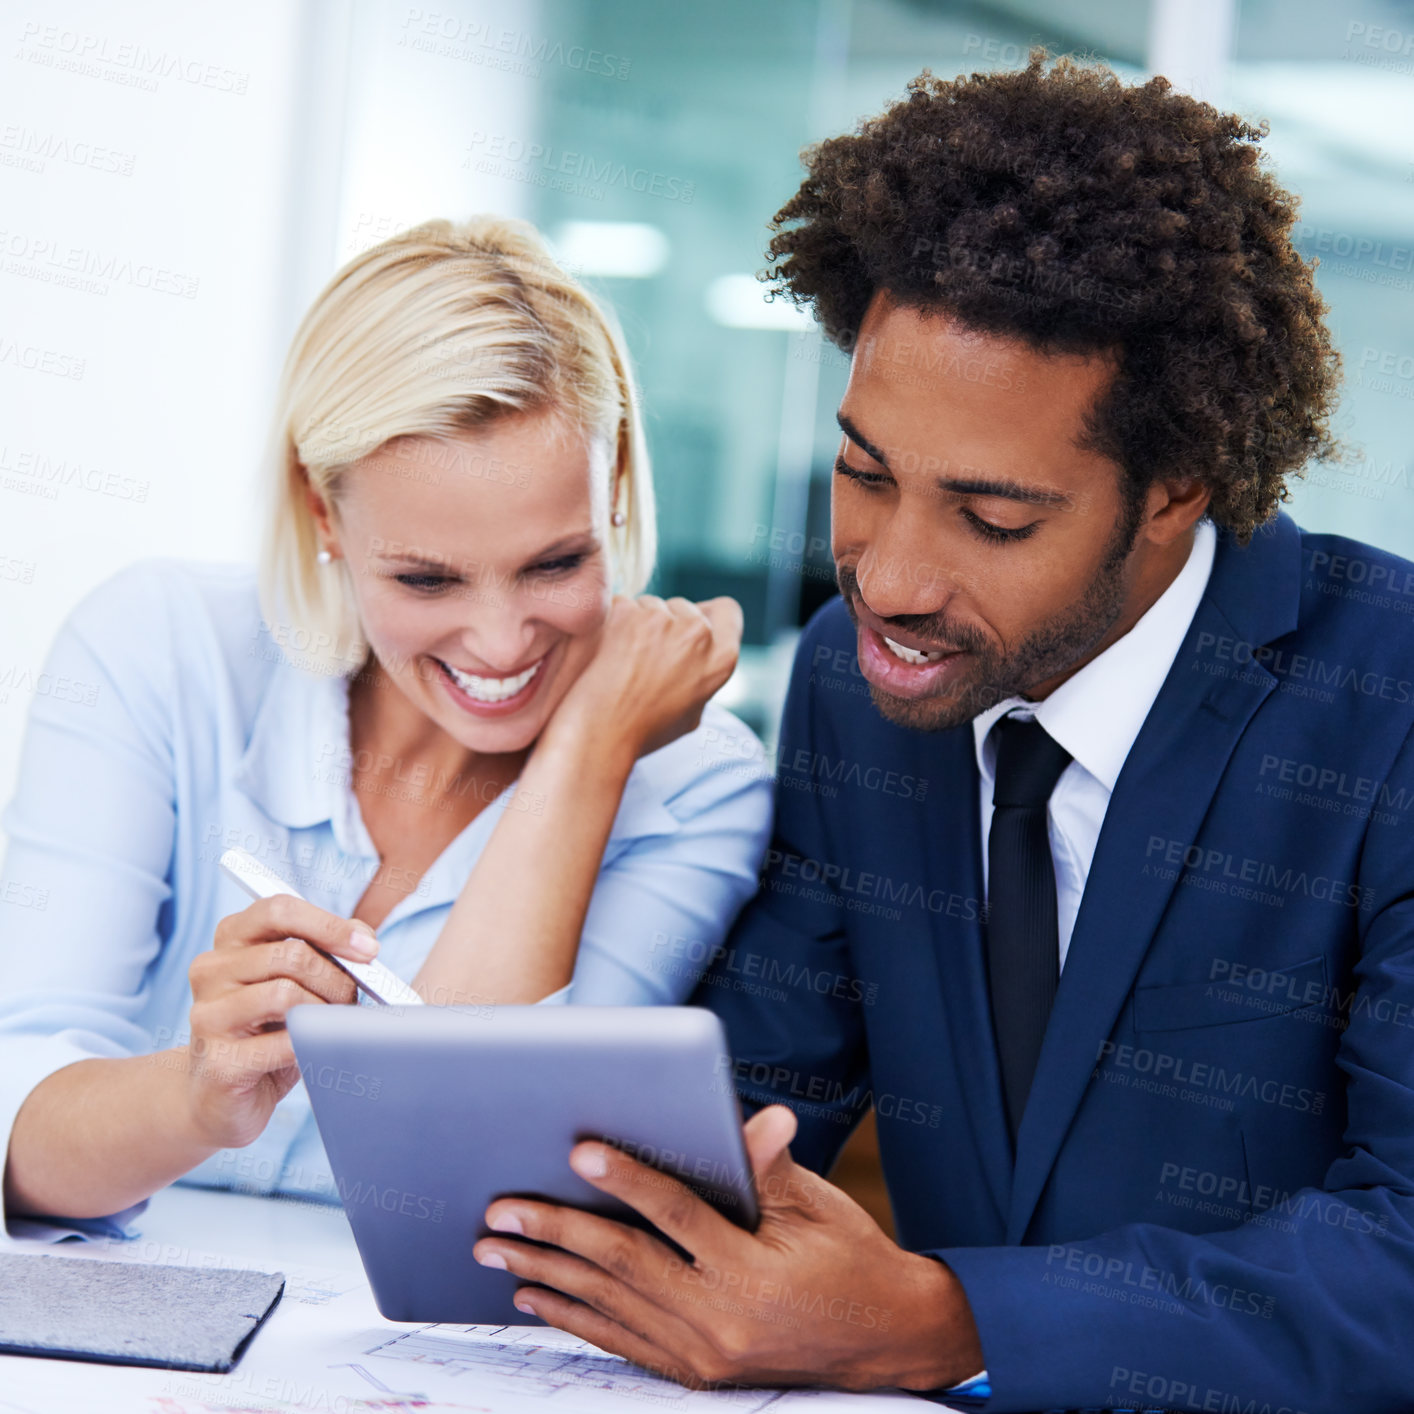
(169,726)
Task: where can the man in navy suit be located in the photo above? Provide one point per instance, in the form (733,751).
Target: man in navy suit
(1093,870)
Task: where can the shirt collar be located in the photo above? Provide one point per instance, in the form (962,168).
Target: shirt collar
(1097,712)
(296,767)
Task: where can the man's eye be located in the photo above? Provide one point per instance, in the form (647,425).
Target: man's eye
(563,565)
(998,533)
(424,583)
(868,479)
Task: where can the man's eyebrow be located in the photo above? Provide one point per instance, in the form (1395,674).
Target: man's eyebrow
(965,485)
(1008,490)
(860,440)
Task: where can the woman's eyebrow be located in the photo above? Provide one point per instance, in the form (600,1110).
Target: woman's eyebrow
(578,539)
(429,562)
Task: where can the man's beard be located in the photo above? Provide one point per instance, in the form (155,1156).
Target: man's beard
(1058,644)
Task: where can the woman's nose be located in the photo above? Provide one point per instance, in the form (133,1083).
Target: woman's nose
(498,638)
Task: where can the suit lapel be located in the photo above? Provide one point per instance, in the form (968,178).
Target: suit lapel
(1163,793)
(954,858)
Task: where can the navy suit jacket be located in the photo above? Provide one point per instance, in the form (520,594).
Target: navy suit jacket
(1211,1203)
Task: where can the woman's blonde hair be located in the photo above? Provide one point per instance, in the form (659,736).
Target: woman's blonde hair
(437,331)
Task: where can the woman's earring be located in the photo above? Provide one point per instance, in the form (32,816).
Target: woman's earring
(324,557)
(618,518)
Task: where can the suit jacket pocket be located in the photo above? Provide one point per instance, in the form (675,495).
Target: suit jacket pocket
(1255,994)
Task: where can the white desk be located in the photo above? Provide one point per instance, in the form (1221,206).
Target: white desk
(326,1350)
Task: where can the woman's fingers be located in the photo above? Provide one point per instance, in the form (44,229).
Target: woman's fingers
(237,1062)
(222,969)
(725,616)
(658,663)
(284,916)
(707,633)
(240,1057)
(244,1011)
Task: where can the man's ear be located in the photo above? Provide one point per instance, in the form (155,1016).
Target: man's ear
(1174,507)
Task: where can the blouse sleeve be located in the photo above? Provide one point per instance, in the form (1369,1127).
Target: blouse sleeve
(682,861)
(86,873)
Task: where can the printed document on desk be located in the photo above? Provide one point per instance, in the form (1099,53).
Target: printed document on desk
(427,1369)
(326,1349)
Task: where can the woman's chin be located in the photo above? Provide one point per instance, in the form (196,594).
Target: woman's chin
(501,739)
(490,733)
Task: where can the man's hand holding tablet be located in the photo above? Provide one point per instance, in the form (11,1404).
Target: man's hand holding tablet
(817,1295)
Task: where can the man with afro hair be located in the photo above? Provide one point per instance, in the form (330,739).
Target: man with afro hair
(1093,872)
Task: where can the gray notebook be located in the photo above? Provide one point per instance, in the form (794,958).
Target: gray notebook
(131,1313)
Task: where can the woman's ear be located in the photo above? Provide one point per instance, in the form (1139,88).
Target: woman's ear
(318,509)
(617,515)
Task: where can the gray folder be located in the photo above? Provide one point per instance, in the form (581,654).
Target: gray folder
(131,1313)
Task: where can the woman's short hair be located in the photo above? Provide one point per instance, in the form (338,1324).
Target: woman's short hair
(440,330)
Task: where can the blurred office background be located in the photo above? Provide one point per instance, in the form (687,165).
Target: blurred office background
(177,181)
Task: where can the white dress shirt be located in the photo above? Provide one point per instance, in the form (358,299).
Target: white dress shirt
(1096,715)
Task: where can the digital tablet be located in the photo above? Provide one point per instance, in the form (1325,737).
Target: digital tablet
(429,1113)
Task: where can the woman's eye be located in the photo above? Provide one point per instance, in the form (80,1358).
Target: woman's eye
(867,479)
(563,565)
(998,533)
(424,583)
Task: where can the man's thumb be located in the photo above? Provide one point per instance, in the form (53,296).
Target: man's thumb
(768,1134)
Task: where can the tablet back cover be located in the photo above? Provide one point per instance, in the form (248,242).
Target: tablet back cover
(428,1114)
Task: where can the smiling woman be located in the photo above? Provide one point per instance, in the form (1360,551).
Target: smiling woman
(442,709)
(511,583)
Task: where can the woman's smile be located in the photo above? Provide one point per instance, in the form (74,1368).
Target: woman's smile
(492,696)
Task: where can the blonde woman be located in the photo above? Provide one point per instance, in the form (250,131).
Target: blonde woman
(442,709)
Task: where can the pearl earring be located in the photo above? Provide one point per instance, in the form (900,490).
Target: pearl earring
(618,518)
(324,557)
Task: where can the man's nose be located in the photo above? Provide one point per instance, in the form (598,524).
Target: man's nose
(898,575)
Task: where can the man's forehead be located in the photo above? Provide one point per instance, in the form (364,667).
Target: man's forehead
(929,370)
(889,322)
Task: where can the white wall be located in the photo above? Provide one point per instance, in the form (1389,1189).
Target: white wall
(176,183)
(144,166)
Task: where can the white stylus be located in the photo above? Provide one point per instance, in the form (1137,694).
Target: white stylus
(260,881)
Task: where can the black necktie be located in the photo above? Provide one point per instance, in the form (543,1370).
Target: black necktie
(1023,936)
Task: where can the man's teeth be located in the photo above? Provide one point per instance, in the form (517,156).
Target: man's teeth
(910,655)
(491,689)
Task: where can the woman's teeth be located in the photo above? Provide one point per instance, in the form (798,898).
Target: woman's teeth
(910,655)
(491,689)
